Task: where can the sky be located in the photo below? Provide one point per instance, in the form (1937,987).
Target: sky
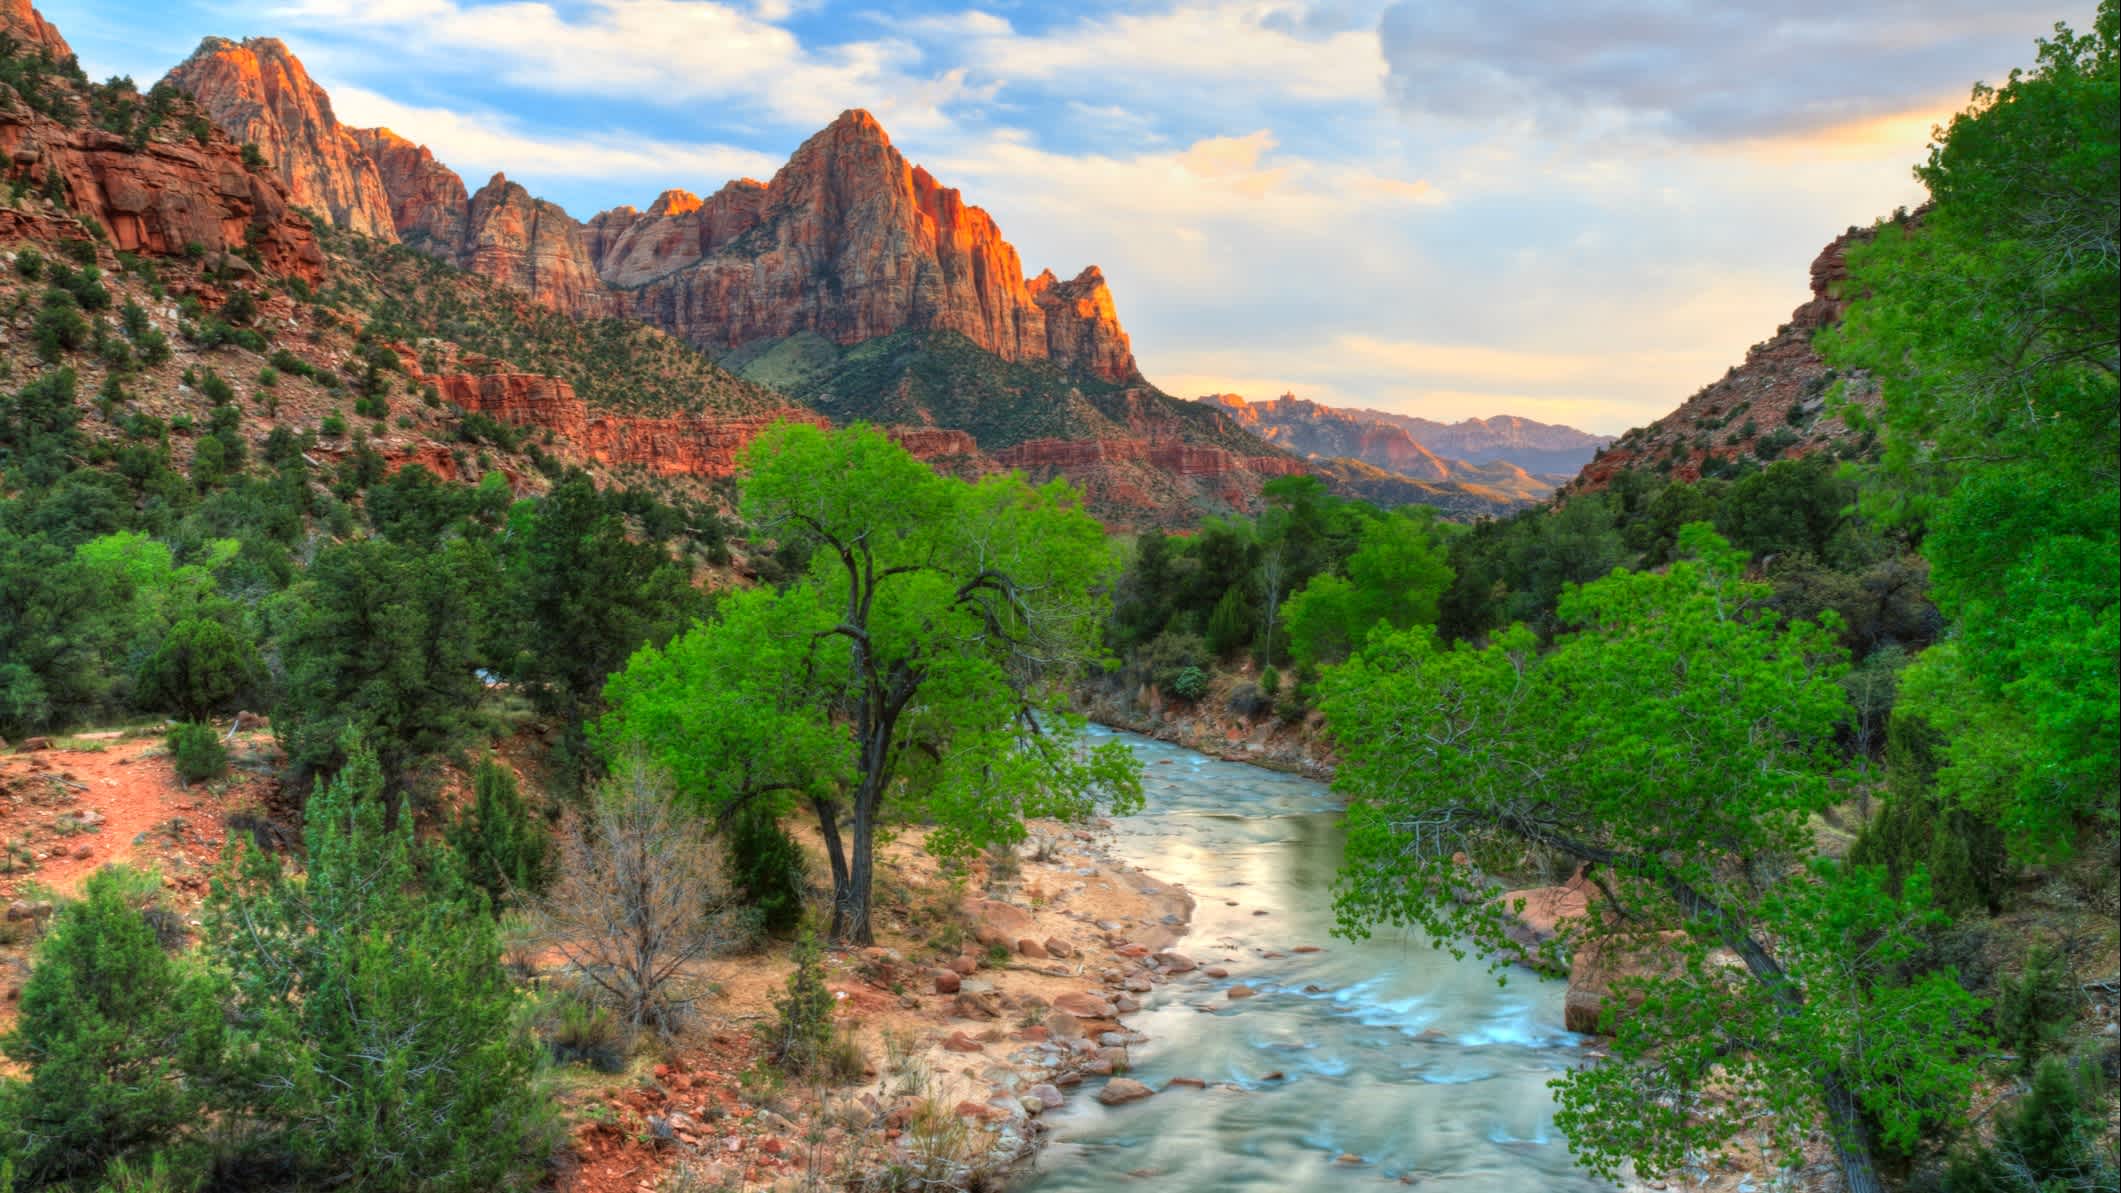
(1575,212)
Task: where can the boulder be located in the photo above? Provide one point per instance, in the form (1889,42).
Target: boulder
(1121,1090)
(1597,964)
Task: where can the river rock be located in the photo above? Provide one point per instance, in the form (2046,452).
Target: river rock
(1173,962)
(1056,947)
(1083,1005)
(1240,991)
(947,981)
(1121,1090)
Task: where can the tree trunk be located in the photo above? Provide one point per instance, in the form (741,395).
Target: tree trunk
(1845,1120)
(828,823)
(855,929)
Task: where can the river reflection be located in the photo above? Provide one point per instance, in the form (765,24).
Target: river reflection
(1387,1051)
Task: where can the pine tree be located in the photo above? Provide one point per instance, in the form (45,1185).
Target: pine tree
(110,1028)
(505,846)
(380,1034)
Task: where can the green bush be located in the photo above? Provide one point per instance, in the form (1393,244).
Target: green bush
(803,1040)
(2049,1142)
(1190,683)
(381,1043)
(505,845)
(199,669)
(766,869)
(2033,1010)
(197,752)
(110,1026)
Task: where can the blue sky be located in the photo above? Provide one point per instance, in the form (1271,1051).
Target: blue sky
(1575,212)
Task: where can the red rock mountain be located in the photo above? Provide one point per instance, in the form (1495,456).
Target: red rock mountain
(164,197)
(1327,432)
(29,28)
(1770,407)
(849,240)
(259,93)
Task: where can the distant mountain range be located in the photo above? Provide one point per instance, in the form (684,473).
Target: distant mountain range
(1515,459)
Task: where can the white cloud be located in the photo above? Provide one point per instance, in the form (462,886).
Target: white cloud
(477,145)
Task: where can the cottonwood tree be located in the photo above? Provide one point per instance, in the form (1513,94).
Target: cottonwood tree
(917,668)
(1676,743)
(637,896)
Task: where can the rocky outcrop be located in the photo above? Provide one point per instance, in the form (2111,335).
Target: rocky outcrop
(533,246)
(632,248)
(259,93)
(1083,333)
(1773,406)
(428,202)
(157,199)
(902,252)
(21,21)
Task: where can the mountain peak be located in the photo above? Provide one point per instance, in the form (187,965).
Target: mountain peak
(21,21)
(675,201)
(259,93)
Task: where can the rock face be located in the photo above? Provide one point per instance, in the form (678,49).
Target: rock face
(903,251)
(1773,406)
(259,93)
(533,246)
(428,202)
(157,199)
(21,21)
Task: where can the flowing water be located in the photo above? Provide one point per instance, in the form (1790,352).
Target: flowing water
(1388,1050)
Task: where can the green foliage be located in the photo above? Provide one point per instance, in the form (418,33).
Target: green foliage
(1395,578)
(802,1039)
(200,668)
(1230,624)
(2051,1141)
(381,641)
(1678,737)
(1997,338)
(766,868)
(376,1035)
(1191,683)
(2033,1010)
(110,1025)
(505,846)
(197,752)
(922,658)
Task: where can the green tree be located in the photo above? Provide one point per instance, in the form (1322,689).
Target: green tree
(1397,577)
(505,845)
(199,669)
(921,660)
(377,1035)
(1994,324)
(1676,742)
(1230,623)
(379,641)
(111,1029)
(576,576)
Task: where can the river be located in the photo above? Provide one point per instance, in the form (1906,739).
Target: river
(1397,1061)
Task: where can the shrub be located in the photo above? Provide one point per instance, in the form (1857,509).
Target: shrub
(803,1040)
(199,669)
(766,869)
(417,1071)
(1191,683)
(110,1025)
(580,1031)
(1270,683)
(197,751)
(2033,1010)
(506,847)
(2051,1140)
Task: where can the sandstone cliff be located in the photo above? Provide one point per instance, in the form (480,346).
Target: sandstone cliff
(1772,406)
(533,246)
(158,198)
(904,252)
(259,93)
(21,21)
(428,202)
